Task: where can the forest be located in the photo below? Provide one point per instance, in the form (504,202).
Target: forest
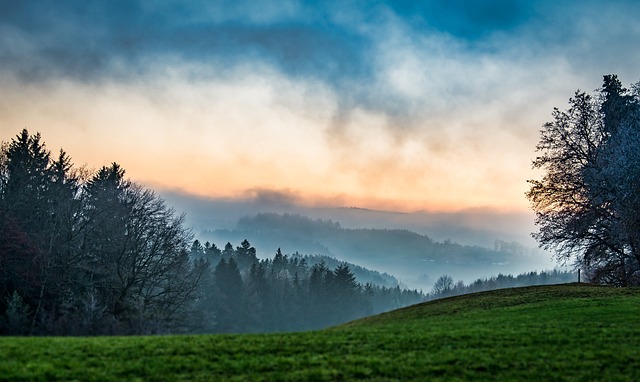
(415,258)
(287,293)
(284,293)
(89,252)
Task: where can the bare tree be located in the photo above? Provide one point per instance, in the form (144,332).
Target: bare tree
(586,201)
(443,286)
(138,253)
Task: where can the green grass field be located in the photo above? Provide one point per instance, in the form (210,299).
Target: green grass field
(548,333)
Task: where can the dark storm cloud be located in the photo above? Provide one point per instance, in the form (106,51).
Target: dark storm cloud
(466,19)
(91,40)
(83,38)
(351,47)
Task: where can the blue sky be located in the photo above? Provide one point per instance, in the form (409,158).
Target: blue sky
(381,104)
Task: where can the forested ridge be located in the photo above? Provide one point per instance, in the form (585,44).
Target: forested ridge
(327,237)
(415,258)
(90,252)
(285,293)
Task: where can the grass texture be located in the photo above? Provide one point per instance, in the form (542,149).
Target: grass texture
(571,332)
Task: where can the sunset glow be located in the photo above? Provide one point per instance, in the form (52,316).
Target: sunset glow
(379,107)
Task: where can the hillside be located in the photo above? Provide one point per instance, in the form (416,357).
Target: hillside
(414,258)
(561,332)
(363,275)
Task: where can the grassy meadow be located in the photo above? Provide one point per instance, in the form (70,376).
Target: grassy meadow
(571,332)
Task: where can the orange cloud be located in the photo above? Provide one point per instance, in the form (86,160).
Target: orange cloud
(260,130)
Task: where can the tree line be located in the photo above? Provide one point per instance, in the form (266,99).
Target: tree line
(446,287)
(285,293)
(90,252)
(87,252)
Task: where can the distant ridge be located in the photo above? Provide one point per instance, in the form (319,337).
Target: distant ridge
(415,258)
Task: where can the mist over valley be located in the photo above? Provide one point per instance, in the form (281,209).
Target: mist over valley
(416,248)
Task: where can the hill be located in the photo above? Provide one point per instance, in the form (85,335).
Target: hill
(469,227)
(362,274)
(415,258)
(562,332)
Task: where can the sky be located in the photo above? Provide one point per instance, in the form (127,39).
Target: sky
(391,105)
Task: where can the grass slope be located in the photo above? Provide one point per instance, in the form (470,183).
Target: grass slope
(550,333)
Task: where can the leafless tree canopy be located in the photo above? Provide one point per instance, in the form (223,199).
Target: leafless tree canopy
(587,200)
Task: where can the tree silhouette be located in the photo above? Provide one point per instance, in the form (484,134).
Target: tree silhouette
(443,286)
(83,250)
(586,202)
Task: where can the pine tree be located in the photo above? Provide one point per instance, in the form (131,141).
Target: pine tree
(245,255)
(230,302)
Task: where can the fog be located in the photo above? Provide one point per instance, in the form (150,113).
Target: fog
(216,220)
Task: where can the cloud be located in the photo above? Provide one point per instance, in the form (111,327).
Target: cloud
(185,125)
(467,19)
(98,40)
(426,105)
(336,43)
(272,198)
